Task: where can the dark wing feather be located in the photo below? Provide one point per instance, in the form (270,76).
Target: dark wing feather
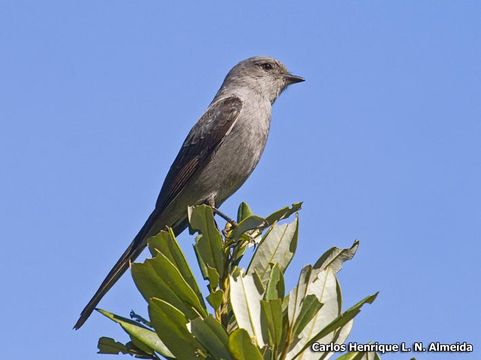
(201,143)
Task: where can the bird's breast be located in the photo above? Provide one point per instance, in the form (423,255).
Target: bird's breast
(240,150)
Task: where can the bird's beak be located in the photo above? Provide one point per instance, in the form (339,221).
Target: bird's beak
(293,79)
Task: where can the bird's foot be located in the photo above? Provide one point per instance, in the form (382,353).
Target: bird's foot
(232,222)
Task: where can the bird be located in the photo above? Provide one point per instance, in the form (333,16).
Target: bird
(216,158)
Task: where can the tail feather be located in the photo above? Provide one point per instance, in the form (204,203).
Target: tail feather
(120,267)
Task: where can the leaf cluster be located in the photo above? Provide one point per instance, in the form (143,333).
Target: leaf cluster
(247,314)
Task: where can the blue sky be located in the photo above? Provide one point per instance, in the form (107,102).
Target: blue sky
(382,143)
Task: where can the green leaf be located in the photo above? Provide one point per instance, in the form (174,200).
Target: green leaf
(159,278)
(213,277)
(210,333)
(339,322)
(138,332)
(335,257)
(240,248)
(209,246)
(202,265)
(250,223)
(236,271)
(283,213)
(268,353)
(271,321)
(243,212)
(166,243)
(108,345)
(275,286)
(215,299)
(245,297)
(324,286)
(359,356)
(277,247)
(241,346)
(298,293)
(339,338)
(171,327)
(309,308)
(142,348)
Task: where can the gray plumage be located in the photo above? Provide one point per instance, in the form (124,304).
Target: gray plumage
(218,155)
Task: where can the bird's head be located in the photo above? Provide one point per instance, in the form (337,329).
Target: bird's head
(264,75)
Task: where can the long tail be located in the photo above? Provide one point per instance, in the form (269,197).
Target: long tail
(129,255)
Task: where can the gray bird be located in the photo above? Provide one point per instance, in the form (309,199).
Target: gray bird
(218,155)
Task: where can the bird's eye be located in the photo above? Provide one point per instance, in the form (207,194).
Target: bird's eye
(266,66)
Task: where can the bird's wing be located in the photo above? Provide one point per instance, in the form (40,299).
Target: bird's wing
(201,143)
